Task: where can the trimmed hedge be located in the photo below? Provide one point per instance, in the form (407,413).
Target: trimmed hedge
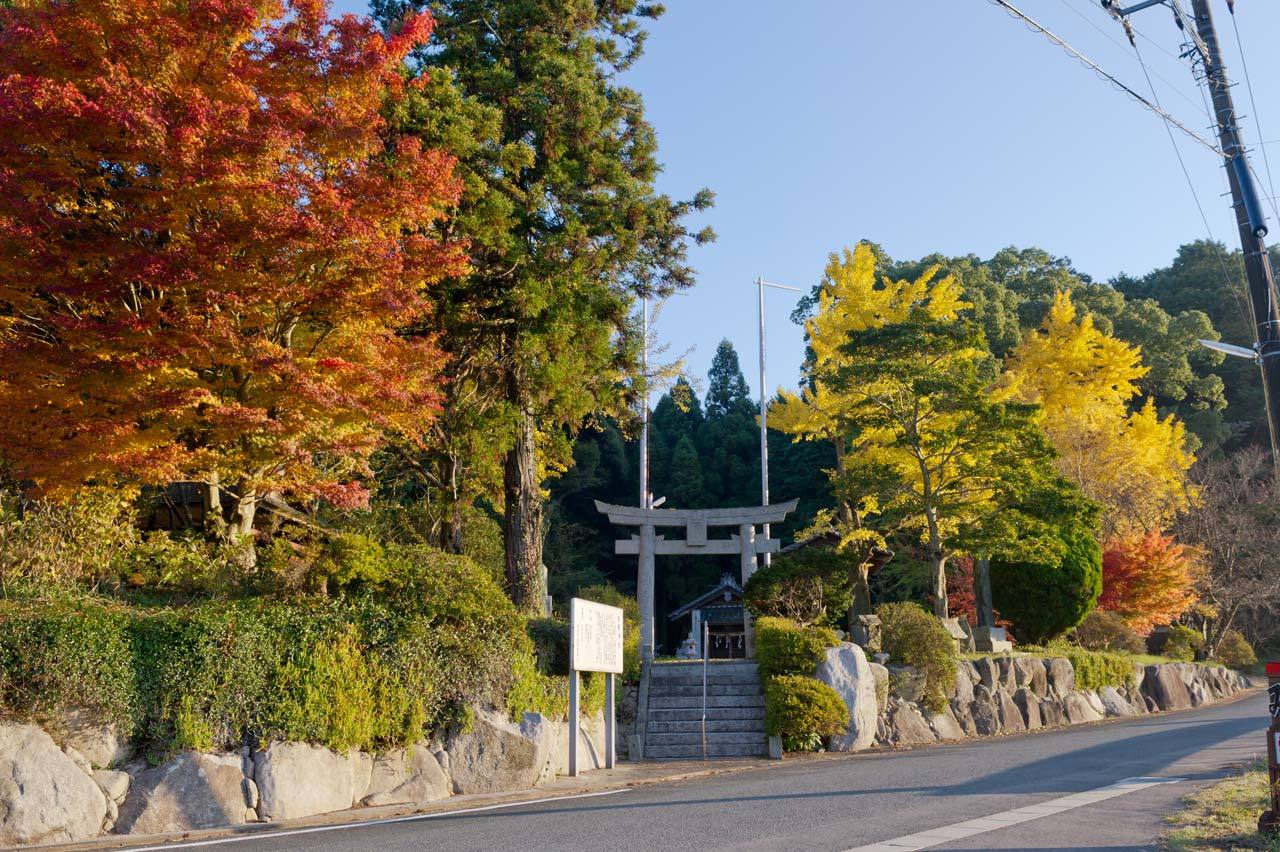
(1096,669)
(785,648)
(1106,631)
(1183,644)
(915,638)
(803,711)
(363,671)
(810,586)
(1045,601)
(1235,651)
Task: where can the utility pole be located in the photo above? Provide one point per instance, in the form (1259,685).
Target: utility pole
(1244,198)
(764,407)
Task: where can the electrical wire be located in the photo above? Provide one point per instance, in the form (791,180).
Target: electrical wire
(1036,26)
(1109,37)
(1186,173)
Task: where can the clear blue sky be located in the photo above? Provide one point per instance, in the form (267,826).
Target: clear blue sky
(929,125)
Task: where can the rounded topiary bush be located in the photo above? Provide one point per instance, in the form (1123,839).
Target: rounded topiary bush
(1046,600)
(785,648)
(803,711)
(916,638)
(1183,644)
(810,586)
(1106,631)
(1235,651)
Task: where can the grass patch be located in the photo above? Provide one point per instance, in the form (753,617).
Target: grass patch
(1223,816)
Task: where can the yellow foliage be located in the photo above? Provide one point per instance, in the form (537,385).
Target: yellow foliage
(1134,464)
(852,300)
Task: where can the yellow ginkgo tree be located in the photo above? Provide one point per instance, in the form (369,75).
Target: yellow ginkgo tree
(1132,462)
(901,384)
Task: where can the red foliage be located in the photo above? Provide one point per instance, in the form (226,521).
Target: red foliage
(210,245)
(1148,579)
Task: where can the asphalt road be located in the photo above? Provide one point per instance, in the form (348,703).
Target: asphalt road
(869,799)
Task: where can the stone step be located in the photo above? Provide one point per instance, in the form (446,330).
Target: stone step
(670,689)
(694,726)
(718,738)
(694,702)
(695,679)
(677,752)
(716,714)
(666,670)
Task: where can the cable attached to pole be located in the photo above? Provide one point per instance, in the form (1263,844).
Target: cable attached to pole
(1035,25)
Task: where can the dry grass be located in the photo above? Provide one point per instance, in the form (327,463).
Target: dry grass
(1224,816)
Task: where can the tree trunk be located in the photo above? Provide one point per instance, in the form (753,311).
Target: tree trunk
(234,532)
(450,528)
(860,580)
(938,561)
(982,592)
(523,521)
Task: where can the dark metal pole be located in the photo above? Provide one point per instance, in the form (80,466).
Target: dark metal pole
(1243,196)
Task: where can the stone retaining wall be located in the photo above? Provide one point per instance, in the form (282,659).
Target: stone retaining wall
(55,794)
(995,695)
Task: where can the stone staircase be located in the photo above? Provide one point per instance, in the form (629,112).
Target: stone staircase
(735,711)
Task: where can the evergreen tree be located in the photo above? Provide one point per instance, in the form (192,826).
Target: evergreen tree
(727,390)
(684,484)
(563,224)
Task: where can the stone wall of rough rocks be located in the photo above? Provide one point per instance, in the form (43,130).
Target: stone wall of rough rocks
(995,695)
(90,782)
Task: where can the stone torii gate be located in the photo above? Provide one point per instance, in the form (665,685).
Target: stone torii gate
(647,544)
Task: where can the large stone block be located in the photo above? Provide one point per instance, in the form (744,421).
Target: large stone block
(988,672)
(966,677)
(1031,674)
(407,776)
(1010,716)
(881,674)
(1061,676)
(492,757)
(99,741)
(964,716)
(985,713)
(1165,686)
(1051,712)
(946,725)
(1077,708)
(1029,706)
(44,796)
(298,779)
(907,726)
(846,670)
(1114,703)
(191,791)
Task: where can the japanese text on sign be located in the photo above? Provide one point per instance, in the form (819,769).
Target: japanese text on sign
(595,643)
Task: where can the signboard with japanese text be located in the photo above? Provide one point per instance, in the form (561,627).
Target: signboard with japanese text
(595,637)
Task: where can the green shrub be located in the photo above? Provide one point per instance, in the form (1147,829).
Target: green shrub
(809,586)
(802,711)
(1235,651)
(785,648)
(1044,601)
(1106,631)
(362,670)
(1096,669)
(350,559)
(1183,644)
(550,637)
(916,638)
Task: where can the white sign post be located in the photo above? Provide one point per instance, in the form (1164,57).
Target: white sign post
(595,645)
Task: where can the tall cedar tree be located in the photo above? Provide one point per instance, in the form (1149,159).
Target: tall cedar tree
(564,226)
(208,245)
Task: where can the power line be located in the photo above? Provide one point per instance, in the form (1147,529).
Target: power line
(1109,37)
(1031,23)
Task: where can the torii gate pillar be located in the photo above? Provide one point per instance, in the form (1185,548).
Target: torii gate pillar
(647,544)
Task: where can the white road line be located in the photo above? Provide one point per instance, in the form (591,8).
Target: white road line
(346,826)
(994,822)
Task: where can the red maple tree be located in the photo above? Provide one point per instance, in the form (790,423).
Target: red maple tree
(1148,579)
(210,246)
